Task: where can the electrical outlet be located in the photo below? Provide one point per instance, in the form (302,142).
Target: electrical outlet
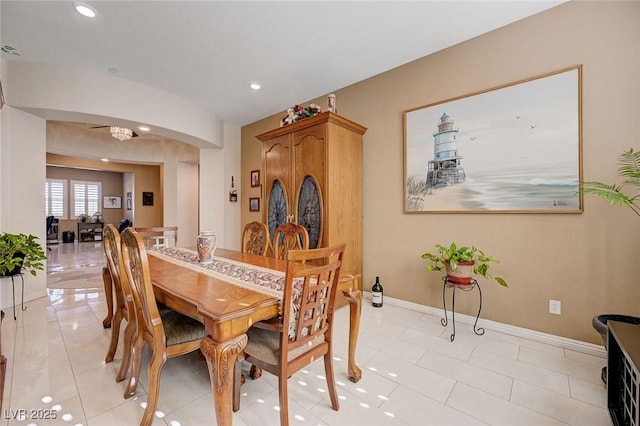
(555,307)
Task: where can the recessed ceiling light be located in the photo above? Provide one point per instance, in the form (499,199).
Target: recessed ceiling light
(106,160)
(255,86)
(84,10)
(144,128)
(113,70)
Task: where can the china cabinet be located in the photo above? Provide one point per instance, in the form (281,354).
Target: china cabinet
(313,176)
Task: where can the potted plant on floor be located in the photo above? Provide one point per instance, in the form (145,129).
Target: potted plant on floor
(629,170)
(20,251)
(461,263)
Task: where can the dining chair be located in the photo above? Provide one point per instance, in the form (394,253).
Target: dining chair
(167,333)
(289,236)
(124,309)
(305,332)
(255,238)
(159,236)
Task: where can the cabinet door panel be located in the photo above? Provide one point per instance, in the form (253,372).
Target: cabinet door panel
(309,180)
(309,155)
(309,210)
(277,162)
(276,158)
(277,207)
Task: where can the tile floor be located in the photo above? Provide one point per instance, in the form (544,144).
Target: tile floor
(412,374)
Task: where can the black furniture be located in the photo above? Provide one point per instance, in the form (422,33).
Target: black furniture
(68,236)
(12,274)
(52,230)
(90,231)
(623,381)
(600,324)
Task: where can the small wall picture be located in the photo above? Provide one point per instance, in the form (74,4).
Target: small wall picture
(147,198)
(254,204)
(255,178)
(129,201)
(111,202)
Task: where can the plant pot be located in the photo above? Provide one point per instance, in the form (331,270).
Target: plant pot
(599,322)
(462,275)
(16,270)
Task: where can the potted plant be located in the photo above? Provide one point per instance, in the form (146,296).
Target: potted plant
(19,251)
(460,263)
(629,170)
(83,217)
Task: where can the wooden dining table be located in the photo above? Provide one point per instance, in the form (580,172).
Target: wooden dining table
(227,310)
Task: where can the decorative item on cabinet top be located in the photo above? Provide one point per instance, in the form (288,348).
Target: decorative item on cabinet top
(298,112)
(331,103)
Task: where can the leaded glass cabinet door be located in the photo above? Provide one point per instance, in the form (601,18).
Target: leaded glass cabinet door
(310,210)
(277,208)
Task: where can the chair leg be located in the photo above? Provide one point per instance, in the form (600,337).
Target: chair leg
(108,292)
(134,366)
(129,339)
(115,335)
(237,382)
(155,368)
(284,403)
(331,381)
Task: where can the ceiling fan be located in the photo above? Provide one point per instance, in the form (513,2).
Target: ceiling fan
(118,132)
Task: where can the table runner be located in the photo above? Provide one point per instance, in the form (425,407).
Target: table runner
(263,280)
(256,278)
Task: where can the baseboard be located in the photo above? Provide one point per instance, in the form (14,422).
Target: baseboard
(538,336)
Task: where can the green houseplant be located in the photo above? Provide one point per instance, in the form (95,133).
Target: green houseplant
(19,251)
(460,263)
(83,217)
(629,170)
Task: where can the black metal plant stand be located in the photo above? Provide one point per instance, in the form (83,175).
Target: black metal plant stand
(445,321)
(13,287)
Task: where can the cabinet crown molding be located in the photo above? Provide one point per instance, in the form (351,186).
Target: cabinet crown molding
(325,117)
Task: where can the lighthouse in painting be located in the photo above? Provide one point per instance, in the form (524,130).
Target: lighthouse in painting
(446,167)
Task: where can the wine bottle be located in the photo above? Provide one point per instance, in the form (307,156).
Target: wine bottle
(376,291)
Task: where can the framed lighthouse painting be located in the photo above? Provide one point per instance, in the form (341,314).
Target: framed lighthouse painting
(515,148)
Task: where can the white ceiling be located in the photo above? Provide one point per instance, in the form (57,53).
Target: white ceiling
(209,51)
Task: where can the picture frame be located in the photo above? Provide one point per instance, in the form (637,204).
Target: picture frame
(129,201)
(147,198)
(515,148)
(255,178)
(254,204)
(111,202)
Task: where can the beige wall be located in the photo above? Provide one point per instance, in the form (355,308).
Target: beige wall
(587,261)
(146,178)
(111,185)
